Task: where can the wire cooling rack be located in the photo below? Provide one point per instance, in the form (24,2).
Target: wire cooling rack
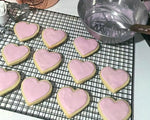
(116,56)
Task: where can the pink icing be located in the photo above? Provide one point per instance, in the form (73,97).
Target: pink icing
(85,46)
(114,110)
(114,78)
(46,59)
(52,36)
(147,5)
(13,52)
(7,79)
(34,89)
(72,100)
(24,29)
(81,69)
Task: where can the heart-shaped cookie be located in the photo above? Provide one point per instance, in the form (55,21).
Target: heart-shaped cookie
(53,38)
(86,47)
(114,80)
(8,80)
(46,61)
(81,71)
(25,31)
(35,91)
(110,109)
(14,54)
(72,101)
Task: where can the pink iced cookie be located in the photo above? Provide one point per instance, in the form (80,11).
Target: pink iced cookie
(14,54)
(25,31)
(46,61)
(53,38)
(8,80)
(35,91)
(72,101)
(86,47)
(81,71)
(110,109)
(114,80)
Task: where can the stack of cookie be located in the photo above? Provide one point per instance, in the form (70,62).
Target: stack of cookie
(40,4)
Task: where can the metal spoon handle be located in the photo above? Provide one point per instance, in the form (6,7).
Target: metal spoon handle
(145,29)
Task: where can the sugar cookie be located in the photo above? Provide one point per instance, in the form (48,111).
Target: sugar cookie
(25,31)
(114,80)
(9,80)
(72,101)
(86,47)
(46,61)
(53,38)
(110,109)
(35,91)
(81,71)
(14,54)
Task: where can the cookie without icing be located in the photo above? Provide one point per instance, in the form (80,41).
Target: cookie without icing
(114,80)
(52,38)
(9,80)
(72,101)
(46,61)
(14,54)
(81,71)
(25,31)
(35,91)
(110,109)
(86,47)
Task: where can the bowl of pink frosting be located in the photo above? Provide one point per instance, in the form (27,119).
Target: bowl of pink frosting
(104,19)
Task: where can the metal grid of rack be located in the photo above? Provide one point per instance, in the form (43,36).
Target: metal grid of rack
(116,56)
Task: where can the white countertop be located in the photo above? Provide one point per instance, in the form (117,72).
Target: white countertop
(141,79)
